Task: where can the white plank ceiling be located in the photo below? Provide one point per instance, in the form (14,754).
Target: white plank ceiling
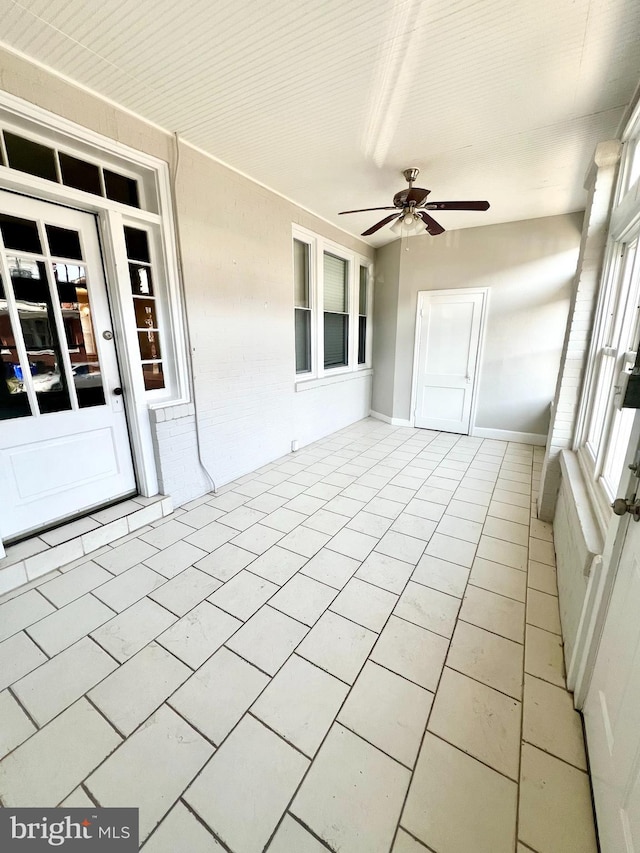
(326,102)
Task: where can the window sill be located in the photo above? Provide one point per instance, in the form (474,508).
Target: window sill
(589,518)
(334,379)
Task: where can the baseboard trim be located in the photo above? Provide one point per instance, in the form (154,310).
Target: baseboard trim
(393,421)
(509,435)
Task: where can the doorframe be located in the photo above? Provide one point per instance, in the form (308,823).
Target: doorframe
(485,292)
(601,583)
(154,176)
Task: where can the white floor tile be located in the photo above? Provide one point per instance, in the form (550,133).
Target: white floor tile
(178,827)
(555,805)
(201,516)
(503,496)
(174,559)
(20,612)
(551,723)
(292,836)
(151,768)
(267,639)
(131,630)
(487,657)
(542,611)
(244,789)
(303,599)
(454,550)
(301,704)
(543,655)
(338,646)
(388,711)
(185,590)
(284,520)
(304,541)
(125,556)
(353,544)
(542,552)
(352,795)
(61,681)
(134,691)
(509,512)
(277,564)
(385,572)
(243,595)
(428,608)
(331,568)
(542,578)
(441,575)
(478,720)
(196,636)
(71,585)
(125,589)
(211,536)
(474,811)
(412,652)
(404,843)
(257,539)
(413,525)
(509,531)
(365,604)
(18,656)
(431,510)
(401,547)
(16,726)
(225,562)
(218,694)
(62,628)
(51,763)
(495,613)
(499,578)
(499,551)
(460,528)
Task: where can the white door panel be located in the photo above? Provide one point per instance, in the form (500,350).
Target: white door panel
(447,355)
(611,710)
(64,445)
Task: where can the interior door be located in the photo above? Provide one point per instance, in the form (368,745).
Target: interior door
(447,359)
(611,709)
(64,445)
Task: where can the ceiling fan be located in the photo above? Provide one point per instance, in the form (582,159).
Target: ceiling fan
(412,205)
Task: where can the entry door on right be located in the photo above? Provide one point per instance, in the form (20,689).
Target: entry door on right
(449,328)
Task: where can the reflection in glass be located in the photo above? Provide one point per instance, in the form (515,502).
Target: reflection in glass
(149,345)
(80,174)
(145,313)
(39,333)
(14,402)
(153,376)
(141,283)
(71,283)
(120,188)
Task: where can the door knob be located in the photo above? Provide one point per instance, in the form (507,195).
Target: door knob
(117,392)
(621,506)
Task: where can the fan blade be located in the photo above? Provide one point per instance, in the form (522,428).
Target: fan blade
(457,205)
(433,227)
(416,196)
(379,225)
(365,210)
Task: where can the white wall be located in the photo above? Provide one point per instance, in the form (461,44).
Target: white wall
(528,267)
(238,281)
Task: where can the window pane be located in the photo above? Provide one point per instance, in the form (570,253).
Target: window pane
(362,340)
(79,174)
(336,338)
(137,244)
(153,376)
(31,157)
(21,235)
(119,188)
(362,300)
(303,341)
(13,398)
(71,283)
(141,283)
(301,273)
(149,343)
(145,313)
(40,334)
(335,283)
(63,242)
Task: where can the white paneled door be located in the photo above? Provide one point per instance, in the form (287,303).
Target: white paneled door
(612,709)
(64,445)
(447,347)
